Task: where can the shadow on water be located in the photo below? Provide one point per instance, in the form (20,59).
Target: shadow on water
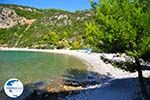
(33,92)
(75,77)
(84,78)
(28,88)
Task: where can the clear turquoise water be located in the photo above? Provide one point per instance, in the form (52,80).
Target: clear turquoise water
(32,67)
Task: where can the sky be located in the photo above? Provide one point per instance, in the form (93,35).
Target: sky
(70,5)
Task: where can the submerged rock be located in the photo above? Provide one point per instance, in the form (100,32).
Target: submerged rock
(63,87)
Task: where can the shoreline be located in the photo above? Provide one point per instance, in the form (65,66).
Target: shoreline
(93,60)
(122,85)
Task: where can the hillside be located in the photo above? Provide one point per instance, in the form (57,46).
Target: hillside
(22,26)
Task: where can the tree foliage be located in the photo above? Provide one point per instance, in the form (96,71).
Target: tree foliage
(122,26)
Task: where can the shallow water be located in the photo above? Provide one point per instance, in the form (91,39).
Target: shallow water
(36,67)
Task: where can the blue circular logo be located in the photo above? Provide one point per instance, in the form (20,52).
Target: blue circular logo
(13,88)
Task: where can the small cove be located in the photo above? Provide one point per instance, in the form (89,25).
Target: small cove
(38,67)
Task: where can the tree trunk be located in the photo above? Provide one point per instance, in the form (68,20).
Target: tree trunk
(141,79)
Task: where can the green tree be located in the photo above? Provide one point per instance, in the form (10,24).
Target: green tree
(63,44)
(122,26)
(93,4)
(52,39)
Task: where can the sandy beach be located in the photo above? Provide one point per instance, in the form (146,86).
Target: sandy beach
(123,86)
(92,59)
